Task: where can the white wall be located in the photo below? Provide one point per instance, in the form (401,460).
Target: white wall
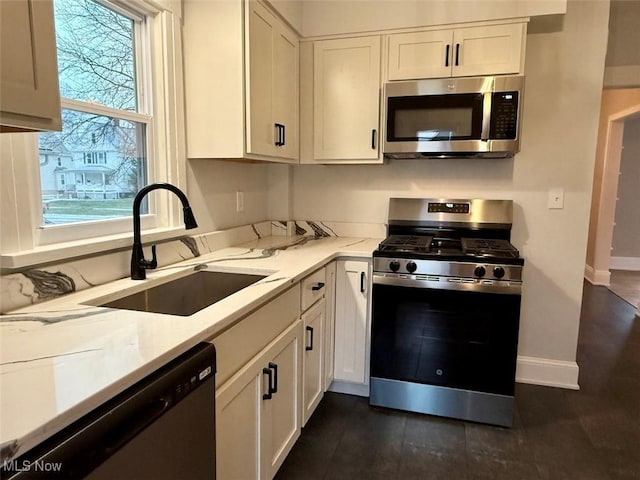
(326,17)
(564,72)
(212,187)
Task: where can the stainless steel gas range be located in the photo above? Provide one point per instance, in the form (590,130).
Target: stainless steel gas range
(446,309)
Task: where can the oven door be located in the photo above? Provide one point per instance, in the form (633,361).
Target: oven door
(456,338)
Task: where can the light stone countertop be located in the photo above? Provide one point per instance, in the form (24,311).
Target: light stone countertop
(62,358)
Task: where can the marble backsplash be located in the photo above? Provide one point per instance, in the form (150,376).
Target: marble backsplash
(36,285)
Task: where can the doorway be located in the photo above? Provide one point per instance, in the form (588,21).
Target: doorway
(620,108)
(625,248)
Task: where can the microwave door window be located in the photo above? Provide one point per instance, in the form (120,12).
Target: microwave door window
(435,124)
(435,118)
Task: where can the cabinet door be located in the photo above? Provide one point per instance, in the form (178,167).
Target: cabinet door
(351,323)
(238,424)
(272,99)
(281,413)
(254,434)
(420,55)
(346,99)
(313,359)
(489,50)
(29,95)
(261,131)
(285,91)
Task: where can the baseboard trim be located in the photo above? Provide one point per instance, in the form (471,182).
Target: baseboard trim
(625,263)
(358,389)
(547,372)
(597,277)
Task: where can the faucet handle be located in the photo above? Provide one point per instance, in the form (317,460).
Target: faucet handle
(153,263)
(150,264)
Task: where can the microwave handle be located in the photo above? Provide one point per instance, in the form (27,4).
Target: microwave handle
(486,116)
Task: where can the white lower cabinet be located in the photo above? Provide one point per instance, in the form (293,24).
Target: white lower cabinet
(351,322)
(257,411)
(313,292)
(266,395)
(313,363)
(329,324)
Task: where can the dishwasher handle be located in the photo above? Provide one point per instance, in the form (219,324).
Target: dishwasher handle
(133,424)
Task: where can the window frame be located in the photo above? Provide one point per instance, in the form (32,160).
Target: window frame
(49,234)
(21,213)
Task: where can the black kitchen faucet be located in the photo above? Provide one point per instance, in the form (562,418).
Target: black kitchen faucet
(138,263)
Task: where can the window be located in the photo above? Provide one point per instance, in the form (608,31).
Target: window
(105,113)
(95,158)
(136,132)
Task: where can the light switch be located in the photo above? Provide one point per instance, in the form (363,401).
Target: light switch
(556,198)
(239,201)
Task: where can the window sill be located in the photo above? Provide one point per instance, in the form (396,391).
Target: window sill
(10,262)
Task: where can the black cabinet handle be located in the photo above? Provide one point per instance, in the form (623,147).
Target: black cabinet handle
(280,133)
(446,56)
(310,346)
(457,54)
(361,282)
(269,373)
(317,286)
(274,367)
(284,137)
(373,138)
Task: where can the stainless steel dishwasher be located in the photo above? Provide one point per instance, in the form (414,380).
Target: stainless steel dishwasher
(163,427)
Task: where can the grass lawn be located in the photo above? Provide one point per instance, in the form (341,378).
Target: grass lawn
(103,208)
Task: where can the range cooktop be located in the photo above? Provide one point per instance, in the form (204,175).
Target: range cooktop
(432,246)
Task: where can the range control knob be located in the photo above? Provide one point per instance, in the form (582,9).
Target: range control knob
(498,272)
(411,267)
(479,271)
(394,265)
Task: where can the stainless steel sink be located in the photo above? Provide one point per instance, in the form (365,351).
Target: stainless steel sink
(186,295)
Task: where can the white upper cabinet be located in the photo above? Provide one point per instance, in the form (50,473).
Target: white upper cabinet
(29,94)
(273,86)
(241,82)
(346,100)
(469,51)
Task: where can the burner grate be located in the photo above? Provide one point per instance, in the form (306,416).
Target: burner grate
(406,243)
(488,247)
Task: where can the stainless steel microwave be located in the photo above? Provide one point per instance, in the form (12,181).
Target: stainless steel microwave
(453,117)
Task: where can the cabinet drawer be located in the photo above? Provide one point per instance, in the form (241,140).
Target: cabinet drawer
(313,288)
(236,346)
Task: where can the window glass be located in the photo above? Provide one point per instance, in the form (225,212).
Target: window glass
(101,150)
(99,185)
(96,55)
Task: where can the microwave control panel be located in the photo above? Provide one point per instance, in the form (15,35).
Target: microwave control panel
(504,116)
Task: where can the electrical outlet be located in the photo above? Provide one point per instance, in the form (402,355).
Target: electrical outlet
(556,198)
(239,201)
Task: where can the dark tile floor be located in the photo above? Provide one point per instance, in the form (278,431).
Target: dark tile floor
(591,434)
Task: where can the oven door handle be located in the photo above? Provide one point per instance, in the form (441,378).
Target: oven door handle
(498,287)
